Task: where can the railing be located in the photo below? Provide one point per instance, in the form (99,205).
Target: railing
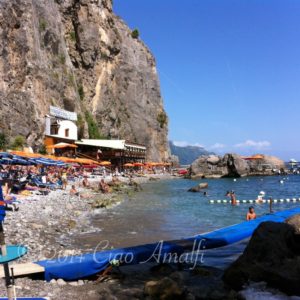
(79,154)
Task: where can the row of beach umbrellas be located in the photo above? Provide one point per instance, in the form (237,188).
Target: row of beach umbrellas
(13,159)
(27,159)
(147,164)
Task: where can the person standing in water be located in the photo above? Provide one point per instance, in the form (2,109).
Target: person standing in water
(271,204)
(251,215)
(232,197)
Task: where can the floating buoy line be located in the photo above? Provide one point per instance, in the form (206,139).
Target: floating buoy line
(288,200)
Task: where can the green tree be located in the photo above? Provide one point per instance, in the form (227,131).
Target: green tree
(92,126)
(18,143)
(73,36)
(42,150)
(3,141)
(81,92)
(162,119)
(135,34)
(42,25)
(80,125)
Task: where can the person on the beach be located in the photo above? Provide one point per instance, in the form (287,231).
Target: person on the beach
(251,215)
(232,197)
(73,191)
(103,187)
(85,182)
(99,153)
(64,179)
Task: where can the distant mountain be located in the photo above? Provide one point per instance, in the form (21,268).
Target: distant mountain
(187,154)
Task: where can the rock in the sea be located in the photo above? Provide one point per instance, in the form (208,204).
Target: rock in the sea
(213,166)
(272,256)
(165,288)
(198,187)
(234,165)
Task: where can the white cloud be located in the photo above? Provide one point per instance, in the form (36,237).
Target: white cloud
(185,144)
(217,146)
(254,145)
(180,143)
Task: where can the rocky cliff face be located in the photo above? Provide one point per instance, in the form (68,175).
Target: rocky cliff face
(76,54)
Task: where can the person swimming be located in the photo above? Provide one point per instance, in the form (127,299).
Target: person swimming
(260,197)
(251,215)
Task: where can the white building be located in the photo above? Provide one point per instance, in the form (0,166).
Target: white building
(60,124)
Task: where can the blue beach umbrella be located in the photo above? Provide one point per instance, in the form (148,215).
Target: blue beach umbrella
(60,163)
(6,161)
(44,161)
(18,160)
(5,155)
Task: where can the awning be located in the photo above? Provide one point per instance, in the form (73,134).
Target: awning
(253,157)
(26,154)
(62,145)
(129,165)
(113,144)
(105,163)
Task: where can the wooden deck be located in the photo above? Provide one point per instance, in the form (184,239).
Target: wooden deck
(24,269)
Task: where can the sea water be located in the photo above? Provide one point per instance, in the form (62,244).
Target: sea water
(165,210)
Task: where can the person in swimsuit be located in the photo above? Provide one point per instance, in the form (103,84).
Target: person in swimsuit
(232,197)
(73,191)
(251,215)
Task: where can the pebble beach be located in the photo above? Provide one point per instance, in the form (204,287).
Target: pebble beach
(45,224)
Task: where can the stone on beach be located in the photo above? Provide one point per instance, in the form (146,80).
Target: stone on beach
(165,288)
(272,256)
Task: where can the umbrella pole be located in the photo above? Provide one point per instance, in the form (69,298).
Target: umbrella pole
(8,282)
(2,241)
(9,287)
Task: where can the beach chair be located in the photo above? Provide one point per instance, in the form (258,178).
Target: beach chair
(35,181)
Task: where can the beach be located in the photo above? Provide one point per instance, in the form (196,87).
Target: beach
(49,224)
(59,225)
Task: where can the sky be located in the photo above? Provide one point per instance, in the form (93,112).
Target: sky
(229,70)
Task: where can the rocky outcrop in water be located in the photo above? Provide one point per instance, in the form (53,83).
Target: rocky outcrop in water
(272,256)
(233,165)
(198,187)
(78,55)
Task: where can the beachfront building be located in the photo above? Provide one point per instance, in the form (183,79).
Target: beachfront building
(60,127)
(118,152)
(61,138)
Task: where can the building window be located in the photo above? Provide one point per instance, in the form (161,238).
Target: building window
(66,132)
(54,129)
